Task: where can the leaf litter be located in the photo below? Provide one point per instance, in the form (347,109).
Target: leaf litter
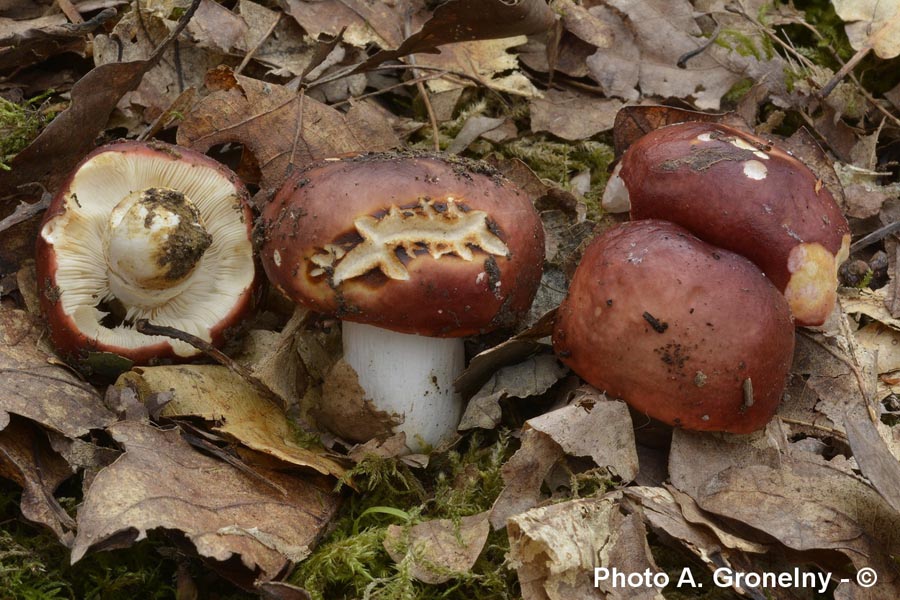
(545,470)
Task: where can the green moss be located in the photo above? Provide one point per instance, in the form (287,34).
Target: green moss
(351,561)
(738,91)
(20,124)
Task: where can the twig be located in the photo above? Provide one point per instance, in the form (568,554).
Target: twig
(876,236)
(144,326)
(849,66)
(70,11)
(435,131)
(682,60)
(825,428)
(25,211)
(249,56)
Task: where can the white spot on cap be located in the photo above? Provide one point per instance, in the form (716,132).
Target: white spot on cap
(745,145)
(704,137)
(755,170)
(276,257)
(480,277)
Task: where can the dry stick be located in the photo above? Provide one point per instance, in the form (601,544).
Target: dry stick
(144,326)
(70,11)
(391,88)
(860,383)
(249,56)
(681,63)
(825,428)
(435,132)
(876,236)
(851,64)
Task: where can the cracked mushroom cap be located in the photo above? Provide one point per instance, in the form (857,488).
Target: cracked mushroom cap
(145,231)
(685,332)
(741,192)
(416,243)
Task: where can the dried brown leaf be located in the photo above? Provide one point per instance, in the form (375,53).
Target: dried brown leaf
(470,20)
(523,475)
(331,17)
(347,412)
(532,377)
(573,115)
(217,28)
(220,396)
(872,23)
(161,482)
(439,549)
(593,426)
(283,129)
(875,459)
(33,387)
(27,458)
(584,24)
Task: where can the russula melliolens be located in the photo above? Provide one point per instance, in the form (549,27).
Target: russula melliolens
(685,332)
(743,193)
(145,231)
(402,246)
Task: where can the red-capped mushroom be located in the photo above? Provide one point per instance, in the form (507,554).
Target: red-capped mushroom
(688,333)
(145,231)
(402,246)
(743,193)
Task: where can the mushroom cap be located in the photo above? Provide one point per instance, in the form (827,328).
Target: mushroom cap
(743,193)
(413,242)
(675,326)
(76,272)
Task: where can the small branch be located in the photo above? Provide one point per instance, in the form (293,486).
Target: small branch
(249,56)
(851,64)
(144,326)
(25,211)
(830,430)
(876,236)
(435,131)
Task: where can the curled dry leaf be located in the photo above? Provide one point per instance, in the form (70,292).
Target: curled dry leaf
(161,482)
(33,387)
(27,458)
(331,17)
(470,20)
(555,549)
(875,459)
(439,549)
(345,410)
(593,426)
(532,377)
(523,475)
(220,396)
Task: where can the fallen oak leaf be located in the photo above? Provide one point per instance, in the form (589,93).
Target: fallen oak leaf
(161,482)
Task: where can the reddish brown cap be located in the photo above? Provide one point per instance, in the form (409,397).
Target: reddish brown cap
(191,203)
(416,243)
(744,193)
(687,333)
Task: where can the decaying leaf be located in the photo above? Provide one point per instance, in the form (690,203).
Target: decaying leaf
(523,475)
(27,458)
(161,482)
(875,459)
(593,426)
(439,549)
(555,549)
(220,396)
(33,387)
(345,410)
(532,377)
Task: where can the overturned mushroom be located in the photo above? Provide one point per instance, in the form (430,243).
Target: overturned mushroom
(145,231)
(401,247)
(743,193)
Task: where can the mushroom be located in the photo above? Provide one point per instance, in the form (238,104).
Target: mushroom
(145,231)
(743,193)
(412,251)
(685,332)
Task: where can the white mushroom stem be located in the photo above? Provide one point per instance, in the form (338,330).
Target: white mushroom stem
(411,376)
